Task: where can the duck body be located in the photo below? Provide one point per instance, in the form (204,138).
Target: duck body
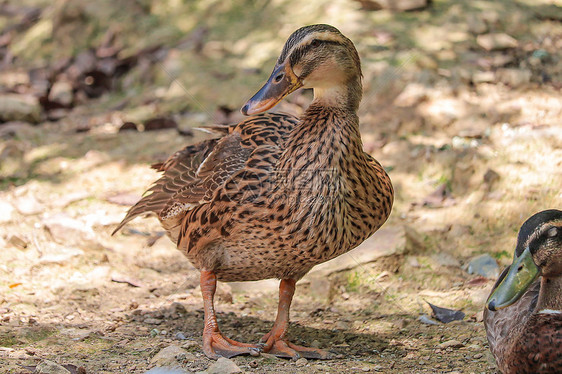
(275,195)
(523,318)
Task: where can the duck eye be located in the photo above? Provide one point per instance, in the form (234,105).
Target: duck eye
(278,77)
(551,233)
(315,43)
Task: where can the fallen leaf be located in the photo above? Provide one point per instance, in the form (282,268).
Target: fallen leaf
(446,315)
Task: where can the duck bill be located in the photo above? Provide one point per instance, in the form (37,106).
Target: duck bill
(521,274)
(281,83)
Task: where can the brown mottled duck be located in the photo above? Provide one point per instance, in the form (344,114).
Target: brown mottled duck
(276,194)
(523,317)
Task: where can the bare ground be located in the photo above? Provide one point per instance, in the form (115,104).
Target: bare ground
(471,157)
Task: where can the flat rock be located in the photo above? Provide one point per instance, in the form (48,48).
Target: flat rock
(14,107)
(496,41)
(67,230)
(172,356)
(484,265)
(223,366)
(50,367)
(28,205)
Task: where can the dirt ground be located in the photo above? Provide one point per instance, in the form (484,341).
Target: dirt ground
(468,126)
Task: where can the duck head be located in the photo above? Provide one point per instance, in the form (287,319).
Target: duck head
(318,57)
(538,253)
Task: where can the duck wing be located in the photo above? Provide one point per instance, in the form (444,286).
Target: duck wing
(192,175)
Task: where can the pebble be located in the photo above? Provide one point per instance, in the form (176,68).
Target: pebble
(188,344)
(223,366)
(478,355)
(172,356)
(484,265)
(61,93)
(50,367)
(301,362)
(180,336)
(152,321)
(7,211)
(496,41)
(14,107)
(424,318)
(451,344)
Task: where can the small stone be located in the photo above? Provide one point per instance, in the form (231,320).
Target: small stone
(424,318)
(6,211)
(172,356)
(190,344)
(61,93)
(28,205)
(514,77)
(451,344)
(152,321)
(301,362)
(484,265)
(496,41)
(50,367)
(483,77)
(223,366)
(14,107)
(477,356)
(154,332)
(180,336)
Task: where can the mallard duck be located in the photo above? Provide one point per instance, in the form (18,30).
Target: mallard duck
(275,195)
(523,318)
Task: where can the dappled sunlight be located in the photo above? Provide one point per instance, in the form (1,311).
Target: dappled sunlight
(461,106)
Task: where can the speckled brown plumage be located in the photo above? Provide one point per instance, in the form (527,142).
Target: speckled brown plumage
(276,194)
(526,336)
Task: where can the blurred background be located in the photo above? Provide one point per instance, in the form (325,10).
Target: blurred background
(462,105)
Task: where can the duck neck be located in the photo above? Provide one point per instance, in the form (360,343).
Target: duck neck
(550,295)
(347,95)
(326,139)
